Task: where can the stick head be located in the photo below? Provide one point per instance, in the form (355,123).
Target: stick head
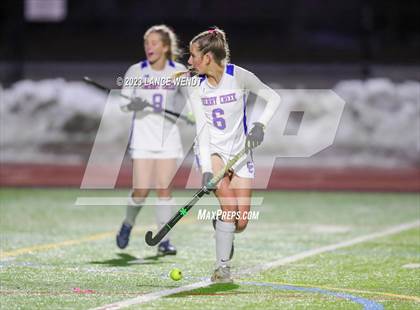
(150,240)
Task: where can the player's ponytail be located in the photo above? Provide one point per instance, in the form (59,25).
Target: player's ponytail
(168,37)
(213,41)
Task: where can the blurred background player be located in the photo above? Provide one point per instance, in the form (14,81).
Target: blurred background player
(155,143)
(220,114)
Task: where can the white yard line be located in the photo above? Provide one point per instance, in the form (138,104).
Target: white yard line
(153,296)
(280,262)
(411,266)
(290,259)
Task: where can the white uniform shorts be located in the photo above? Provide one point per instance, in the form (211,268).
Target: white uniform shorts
(163,154)
(243,168)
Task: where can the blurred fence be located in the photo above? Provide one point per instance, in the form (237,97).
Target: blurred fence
(55,121)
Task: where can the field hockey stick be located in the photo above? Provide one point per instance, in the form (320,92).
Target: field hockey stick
(150,240)
(100,86)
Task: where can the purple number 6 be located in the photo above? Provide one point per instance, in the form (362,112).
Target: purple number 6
(218,121)
(157,102)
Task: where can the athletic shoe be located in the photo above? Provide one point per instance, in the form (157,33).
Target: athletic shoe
(124,236)
(166,248)
(222,275)
(233,247)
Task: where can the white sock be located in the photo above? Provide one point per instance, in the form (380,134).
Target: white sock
(163,212)
(133,209)
(224,241)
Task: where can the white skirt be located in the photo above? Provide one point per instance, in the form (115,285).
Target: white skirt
(163,154)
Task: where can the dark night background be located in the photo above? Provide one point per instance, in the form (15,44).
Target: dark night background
(288,32)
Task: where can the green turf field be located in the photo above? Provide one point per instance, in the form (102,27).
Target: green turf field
(55,255)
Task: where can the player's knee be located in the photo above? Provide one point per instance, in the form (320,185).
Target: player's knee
(139,195)
(241,225)
(163,193)
(228,203)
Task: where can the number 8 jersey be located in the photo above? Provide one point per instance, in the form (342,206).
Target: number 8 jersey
(220,112)
(152,134)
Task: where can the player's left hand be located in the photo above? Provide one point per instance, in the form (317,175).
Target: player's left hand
(137,104)
(255,137)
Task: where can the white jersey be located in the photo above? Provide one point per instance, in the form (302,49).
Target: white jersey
(220,112)
(153,133)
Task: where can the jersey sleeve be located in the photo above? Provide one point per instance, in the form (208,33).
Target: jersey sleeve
(252,83)
(184,90)
(185,95)
(203,132)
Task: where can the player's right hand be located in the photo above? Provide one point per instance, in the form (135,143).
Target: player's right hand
(207,185)
(137,104)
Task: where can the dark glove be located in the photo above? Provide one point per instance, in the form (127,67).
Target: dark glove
(207,176)
(137,104)
(255,137)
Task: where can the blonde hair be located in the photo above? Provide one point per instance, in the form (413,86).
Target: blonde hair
(213,41)
(168,38)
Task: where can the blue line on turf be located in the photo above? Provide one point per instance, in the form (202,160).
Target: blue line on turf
(366,303)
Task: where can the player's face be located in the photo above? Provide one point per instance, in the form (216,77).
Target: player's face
(154,47)
(196,60)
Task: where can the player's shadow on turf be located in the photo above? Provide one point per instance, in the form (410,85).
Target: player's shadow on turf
(125,260)
(217,289)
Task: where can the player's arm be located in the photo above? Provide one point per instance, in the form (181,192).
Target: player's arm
(203,136)
(252,83)
(185,91)
(135,104)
